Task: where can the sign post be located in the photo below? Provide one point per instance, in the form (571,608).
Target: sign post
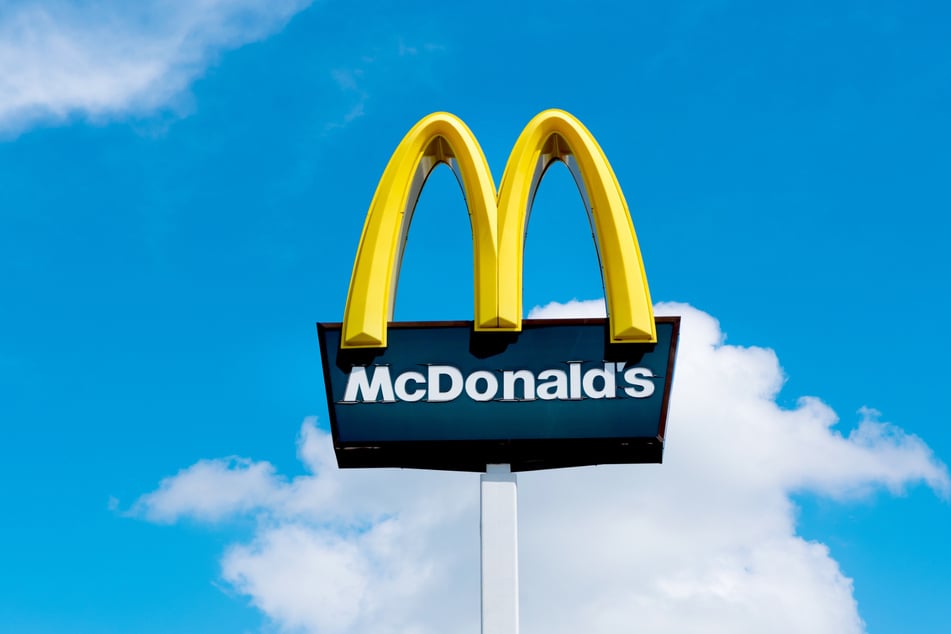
(498,394)
(499,529)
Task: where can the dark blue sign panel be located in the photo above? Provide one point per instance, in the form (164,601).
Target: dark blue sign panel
(441,396)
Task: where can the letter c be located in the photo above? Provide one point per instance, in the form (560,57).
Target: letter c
(399,386)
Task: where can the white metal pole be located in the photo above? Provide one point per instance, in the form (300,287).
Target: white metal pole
(499,526)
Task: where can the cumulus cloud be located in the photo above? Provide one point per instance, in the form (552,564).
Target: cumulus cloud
(705,542)
(211,490)
(571,308)
(66,59)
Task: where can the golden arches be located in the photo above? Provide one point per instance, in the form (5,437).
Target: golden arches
(498,225)
(555,135)
(438,138)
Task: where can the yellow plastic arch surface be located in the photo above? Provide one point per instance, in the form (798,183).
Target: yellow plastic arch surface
(555,135)
(498,225)
(438,138)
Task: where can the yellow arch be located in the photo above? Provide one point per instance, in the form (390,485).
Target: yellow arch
(437,138)
(498,225)
(555,135)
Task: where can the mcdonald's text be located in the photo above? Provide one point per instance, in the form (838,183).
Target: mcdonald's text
(444,383)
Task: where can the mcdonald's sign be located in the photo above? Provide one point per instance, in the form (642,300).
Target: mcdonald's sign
(534,394)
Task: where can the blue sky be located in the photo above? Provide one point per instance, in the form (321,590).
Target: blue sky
(182,187)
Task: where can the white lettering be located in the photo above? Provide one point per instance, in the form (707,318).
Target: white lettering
(574,380)
(639,379)
(509,377)
(436,393)
(443,383)
(491,386)
(555,385)
(608,388)
(358,384)
(400,387)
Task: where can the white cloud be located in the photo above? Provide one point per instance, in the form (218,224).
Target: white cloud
(210,490)
(705,542)
(571,308)
(63,59)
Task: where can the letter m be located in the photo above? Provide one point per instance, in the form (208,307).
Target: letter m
(361,389)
